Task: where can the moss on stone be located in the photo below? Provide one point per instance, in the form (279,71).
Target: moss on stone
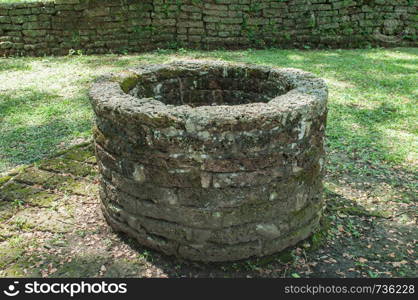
(17,269)
(4,179)
(285,256)
(7,210)
(25,194)
(299,214)
(127,80)
(42,199)
(359,211)
(68,166)
(14,261)
(57,181)
(80,155)
(45,219)
(33,175)
(83,266)
(79,187)
(11,250)
(91,160)
(17,170)
(16,191)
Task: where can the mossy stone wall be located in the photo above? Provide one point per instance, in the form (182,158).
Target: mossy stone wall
(101,26)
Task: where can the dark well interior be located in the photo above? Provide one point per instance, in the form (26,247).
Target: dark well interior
(207,89)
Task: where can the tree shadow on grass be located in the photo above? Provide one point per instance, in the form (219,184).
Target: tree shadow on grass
(358,67)
(360,132)
(34,124)
(365,242)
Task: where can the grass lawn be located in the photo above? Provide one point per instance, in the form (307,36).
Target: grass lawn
(23,1)
(371,186)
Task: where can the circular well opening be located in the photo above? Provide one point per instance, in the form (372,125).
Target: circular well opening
(208,86)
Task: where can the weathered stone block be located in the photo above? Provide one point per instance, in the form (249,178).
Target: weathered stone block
(34,33)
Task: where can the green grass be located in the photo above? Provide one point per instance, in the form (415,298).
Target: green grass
(372,102)
(22,1)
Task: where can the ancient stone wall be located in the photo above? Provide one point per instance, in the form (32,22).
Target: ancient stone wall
(102,26)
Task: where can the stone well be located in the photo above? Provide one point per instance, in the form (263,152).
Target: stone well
(211,161)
